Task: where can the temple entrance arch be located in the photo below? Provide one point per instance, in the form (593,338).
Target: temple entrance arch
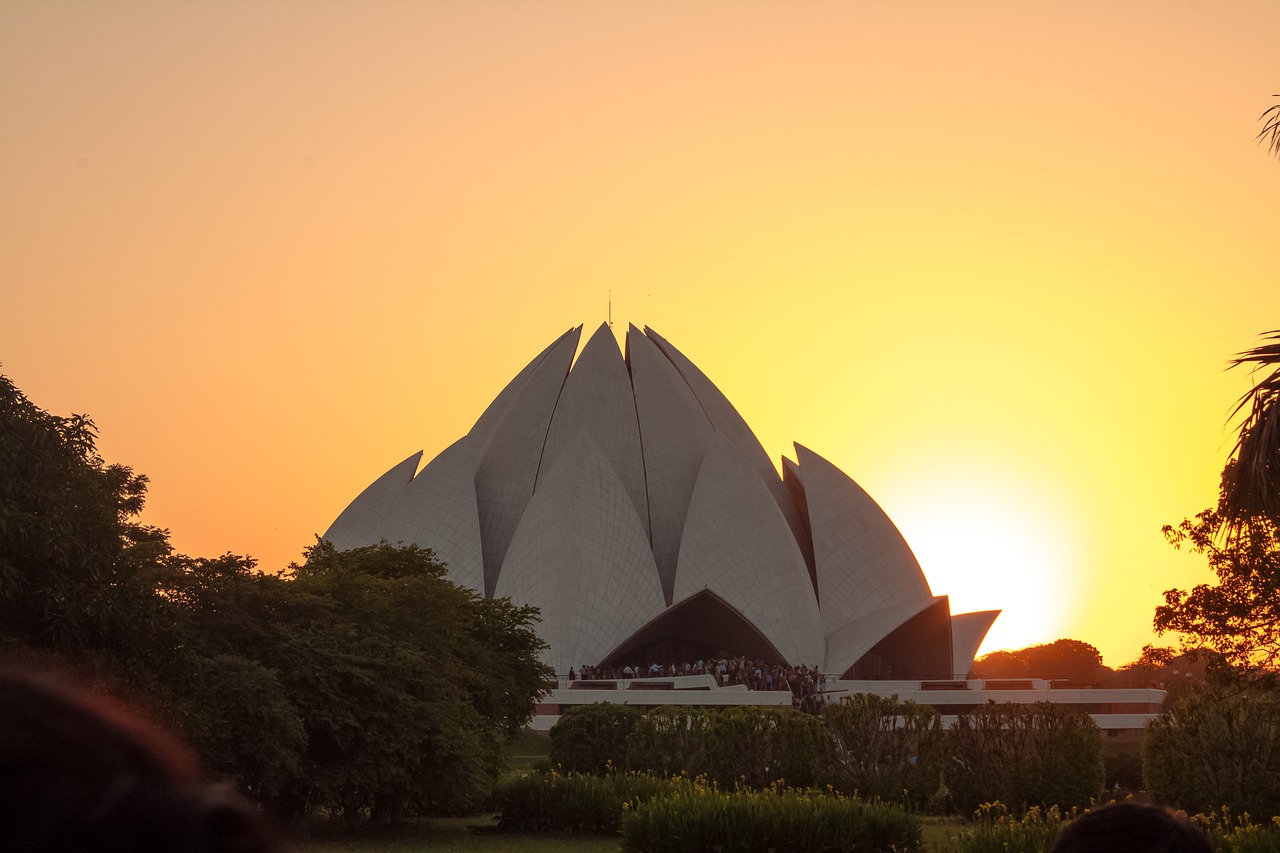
(702,627)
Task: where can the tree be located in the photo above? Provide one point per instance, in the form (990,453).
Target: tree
(670,739)
(1251,478)
(1070,660)
(407,685)
(1270,132)
(756,747)
(223,686)
(593,738)
(880,747)
(1177,673)
(1239,617)
(1215,748)
(358,681)
(77,569)
(1024,755)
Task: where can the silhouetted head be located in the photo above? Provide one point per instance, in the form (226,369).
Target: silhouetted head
(80,772)
(1132,828)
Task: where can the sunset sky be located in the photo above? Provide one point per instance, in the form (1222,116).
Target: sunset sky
(990,258)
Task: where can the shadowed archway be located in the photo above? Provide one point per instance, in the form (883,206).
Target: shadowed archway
(918,648)
(704,625)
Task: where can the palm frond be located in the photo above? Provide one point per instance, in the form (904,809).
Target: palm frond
(1251,479)
(1271,128)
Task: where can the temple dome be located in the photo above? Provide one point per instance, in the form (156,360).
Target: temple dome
(625,497)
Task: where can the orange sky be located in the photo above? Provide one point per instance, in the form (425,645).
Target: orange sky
(988,258)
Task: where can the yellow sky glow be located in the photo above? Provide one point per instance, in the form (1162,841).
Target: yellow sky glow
(988,258)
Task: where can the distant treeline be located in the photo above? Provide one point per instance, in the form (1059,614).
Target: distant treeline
(1081,663)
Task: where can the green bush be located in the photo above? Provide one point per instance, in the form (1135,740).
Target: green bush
(756,747)
(1216,748)
(886,749)
(575,802)
(668,740)
(1024,755)
(592,738)
(1123,766)
(776,820)
(743,745)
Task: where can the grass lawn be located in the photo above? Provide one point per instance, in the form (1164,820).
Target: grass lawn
(456,834)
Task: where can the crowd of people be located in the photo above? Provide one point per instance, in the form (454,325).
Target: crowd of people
(805,683)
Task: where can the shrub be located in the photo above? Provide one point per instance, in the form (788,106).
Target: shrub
(702,819)
(575,802)
(738,745)
(668,740)
(1024,755)
(1216,748)
(592,738)
(880,747)
(1123,766)
(756,747)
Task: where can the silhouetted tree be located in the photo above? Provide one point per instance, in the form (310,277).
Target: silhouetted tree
(1270,132)
(1167,669)
(1251,478)
(1239,617)
(1067,659)
(359,681)
(77,569)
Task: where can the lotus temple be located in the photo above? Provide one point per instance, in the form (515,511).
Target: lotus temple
(623,495)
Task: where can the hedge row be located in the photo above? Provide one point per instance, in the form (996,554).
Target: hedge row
(677,814)
(1024,755)
(1219,748)
(874,747)
(770,821)
(576,802)
(683,814)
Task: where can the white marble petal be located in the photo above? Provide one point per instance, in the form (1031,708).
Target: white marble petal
(438,511)
(488,421)
(738,545)
(850,642)
(726,420)
(361,523)
(508,461)
(581,556)
(674,432)
(968,630)
(597,400)
(863,564)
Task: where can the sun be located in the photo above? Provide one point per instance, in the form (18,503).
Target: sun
(989,551)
